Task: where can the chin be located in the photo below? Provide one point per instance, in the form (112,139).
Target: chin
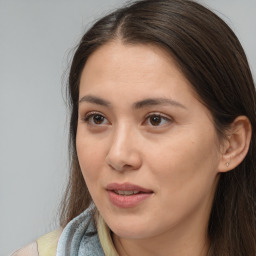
(131,234)
(131,231)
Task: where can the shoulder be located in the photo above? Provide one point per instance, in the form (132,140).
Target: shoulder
(44,246)
(47,244)
(29,250)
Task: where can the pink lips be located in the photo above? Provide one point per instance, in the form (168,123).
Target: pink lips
(127,195)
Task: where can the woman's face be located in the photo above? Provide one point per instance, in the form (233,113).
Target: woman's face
(147,147)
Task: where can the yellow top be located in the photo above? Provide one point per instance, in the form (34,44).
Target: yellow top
(47,244)
(44,246)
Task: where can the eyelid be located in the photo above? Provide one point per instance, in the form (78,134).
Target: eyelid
(164,116)
(88,115)
(158,114)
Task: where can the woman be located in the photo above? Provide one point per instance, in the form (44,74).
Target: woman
(162,138)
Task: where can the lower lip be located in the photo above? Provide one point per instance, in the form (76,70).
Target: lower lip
(127,201)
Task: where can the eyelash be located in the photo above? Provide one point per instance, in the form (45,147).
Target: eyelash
(162,117)
(159,115)
(90,115)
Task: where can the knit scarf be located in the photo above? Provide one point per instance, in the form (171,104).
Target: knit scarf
(79,237)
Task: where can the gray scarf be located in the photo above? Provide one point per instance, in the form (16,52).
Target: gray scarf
(79,237)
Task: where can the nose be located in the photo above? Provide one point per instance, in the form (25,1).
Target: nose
(124,153)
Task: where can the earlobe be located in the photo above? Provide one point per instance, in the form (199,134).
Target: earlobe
(237,144)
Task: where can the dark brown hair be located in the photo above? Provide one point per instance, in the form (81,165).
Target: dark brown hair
(212,59)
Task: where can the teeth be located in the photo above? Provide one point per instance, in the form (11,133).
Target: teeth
(126,193)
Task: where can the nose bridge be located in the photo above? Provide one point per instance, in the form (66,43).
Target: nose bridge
(122,136)
(123,151)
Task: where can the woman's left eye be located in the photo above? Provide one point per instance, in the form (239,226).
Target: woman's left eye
(157,120)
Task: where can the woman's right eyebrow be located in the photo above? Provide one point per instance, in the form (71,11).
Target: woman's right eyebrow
(94,100)
(137,105)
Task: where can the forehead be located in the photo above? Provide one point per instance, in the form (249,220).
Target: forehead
(123,75)
(143,66)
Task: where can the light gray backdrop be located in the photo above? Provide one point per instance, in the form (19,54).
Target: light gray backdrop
(36,38)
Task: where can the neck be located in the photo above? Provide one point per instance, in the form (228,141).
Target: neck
(162,246)
(189,238)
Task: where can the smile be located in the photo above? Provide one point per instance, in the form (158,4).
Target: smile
(127,195)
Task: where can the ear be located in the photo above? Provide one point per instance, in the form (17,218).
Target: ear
(236,145)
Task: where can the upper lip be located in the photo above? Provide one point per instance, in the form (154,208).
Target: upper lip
(127,187)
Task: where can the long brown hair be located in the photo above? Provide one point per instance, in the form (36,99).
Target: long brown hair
(212,59)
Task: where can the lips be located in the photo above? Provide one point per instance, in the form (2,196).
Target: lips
(127,195)
(127,187)
(126,192)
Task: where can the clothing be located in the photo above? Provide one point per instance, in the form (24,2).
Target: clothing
(79,238)
(44,246)
(29,250)
(47,244)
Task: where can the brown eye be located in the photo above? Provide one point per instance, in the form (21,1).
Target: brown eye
(95,119)
(98,119)
(157,120)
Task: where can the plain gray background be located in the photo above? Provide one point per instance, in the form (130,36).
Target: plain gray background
(36,42)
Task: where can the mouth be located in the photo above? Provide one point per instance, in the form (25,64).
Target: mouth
(127,188)
(127,195)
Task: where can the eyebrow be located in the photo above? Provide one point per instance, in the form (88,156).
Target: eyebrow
(157,101)
(136,105)
(95,100)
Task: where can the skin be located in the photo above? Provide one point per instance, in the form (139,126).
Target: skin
(178,157)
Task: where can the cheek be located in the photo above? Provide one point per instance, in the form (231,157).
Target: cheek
(90,156)
(187,163)
(186,178)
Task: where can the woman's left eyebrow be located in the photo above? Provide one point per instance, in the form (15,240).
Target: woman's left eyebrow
(137,105)
(157,101)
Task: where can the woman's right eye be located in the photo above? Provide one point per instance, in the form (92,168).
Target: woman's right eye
(95,119)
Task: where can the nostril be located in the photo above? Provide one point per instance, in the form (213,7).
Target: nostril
(123,155)
(118,166)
